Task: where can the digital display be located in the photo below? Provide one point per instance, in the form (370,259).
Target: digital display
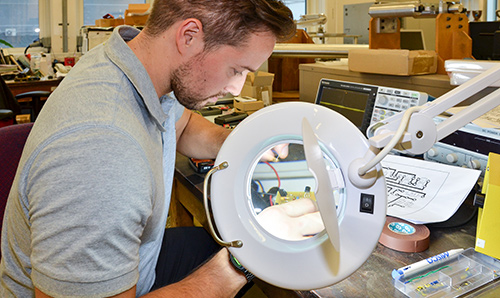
(353,101)
(351,104)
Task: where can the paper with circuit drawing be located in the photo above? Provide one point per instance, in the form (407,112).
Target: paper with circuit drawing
(422,192)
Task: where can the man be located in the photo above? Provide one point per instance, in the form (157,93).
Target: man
(87,210)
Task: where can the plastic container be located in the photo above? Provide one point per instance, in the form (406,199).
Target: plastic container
(460,71)
(461,274)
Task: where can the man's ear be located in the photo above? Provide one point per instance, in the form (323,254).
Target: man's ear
(189,36)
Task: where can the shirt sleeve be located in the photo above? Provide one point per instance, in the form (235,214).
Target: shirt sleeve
(169,101)
(179,109)
(90,196)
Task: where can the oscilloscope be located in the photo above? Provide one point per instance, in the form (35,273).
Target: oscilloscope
(366,104)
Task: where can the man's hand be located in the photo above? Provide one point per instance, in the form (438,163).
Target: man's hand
(274,154)
(296,220)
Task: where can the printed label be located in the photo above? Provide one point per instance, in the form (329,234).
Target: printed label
(401,228)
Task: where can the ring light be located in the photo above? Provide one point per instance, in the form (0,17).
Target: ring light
(353,217)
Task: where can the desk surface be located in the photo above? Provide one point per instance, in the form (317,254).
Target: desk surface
(26,86)
(373,279)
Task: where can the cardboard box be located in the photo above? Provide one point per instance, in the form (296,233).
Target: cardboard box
(260,86)
(393,62)
(104,22)
(242,104)
(135,14)
(119,21)
(109,22)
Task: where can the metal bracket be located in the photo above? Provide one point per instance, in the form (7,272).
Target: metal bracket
(387,25)
(235,243)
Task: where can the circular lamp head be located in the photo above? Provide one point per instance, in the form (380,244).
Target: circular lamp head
(321,145)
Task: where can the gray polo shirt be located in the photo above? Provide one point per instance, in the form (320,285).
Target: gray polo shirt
(88,207)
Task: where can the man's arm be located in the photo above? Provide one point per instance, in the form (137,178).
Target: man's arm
(197,137)
(217,278)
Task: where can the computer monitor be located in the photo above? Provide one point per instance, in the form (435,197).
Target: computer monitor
(353,101)
(412,39)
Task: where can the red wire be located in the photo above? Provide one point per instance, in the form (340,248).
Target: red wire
(275,172)
(277,177)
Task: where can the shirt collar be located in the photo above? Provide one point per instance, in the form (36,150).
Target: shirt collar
(122,56)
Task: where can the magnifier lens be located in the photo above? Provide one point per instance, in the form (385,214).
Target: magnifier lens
(283,193)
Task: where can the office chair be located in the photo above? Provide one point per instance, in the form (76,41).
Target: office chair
(36,104)
(10,106)
(12,140)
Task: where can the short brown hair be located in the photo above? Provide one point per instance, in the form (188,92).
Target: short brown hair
(225,22)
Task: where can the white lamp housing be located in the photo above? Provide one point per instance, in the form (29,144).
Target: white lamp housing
(353,217)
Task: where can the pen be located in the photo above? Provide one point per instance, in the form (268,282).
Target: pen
(420,265)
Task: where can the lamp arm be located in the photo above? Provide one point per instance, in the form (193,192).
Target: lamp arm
(415,131)
(463,92)
(468,114)
(440,105)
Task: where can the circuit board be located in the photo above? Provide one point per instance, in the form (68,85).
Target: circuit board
(292,196)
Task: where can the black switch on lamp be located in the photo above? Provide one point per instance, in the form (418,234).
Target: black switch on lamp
(366,203)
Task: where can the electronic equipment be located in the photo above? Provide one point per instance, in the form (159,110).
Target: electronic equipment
(485,40)
(201,165)
(93,36)
(466,147)
(366,104)
(230,119)
(210,111)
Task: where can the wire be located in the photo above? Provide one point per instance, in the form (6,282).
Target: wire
(275,172)
(277,177)
(260,184)
(392,143)
(428,273)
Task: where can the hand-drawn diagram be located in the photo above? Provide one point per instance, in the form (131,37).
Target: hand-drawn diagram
(410,188)
(421,191)
(404,188)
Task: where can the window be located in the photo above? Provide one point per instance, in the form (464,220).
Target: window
(19,22)
(298,7)
(96,9)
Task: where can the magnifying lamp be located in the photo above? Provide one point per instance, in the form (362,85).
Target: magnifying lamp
(322,144)
(331,162)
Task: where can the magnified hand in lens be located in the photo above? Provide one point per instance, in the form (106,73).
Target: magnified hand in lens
(276,153)
(296,220)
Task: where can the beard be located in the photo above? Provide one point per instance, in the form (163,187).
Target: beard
(186,87)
